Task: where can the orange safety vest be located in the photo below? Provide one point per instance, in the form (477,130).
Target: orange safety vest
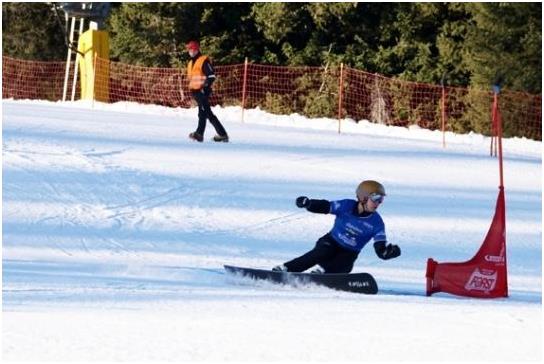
(195,74)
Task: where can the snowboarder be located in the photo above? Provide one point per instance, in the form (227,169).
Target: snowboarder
(356,223)
(201,77)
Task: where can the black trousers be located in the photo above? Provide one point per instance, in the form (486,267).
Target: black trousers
(330,255)
(205,112)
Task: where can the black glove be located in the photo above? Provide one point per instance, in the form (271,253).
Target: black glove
(303,201)
(386,251)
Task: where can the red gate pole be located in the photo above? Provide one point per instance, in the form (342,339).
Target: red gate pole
(497,121)
(493,147)
(244,84)
(340,93)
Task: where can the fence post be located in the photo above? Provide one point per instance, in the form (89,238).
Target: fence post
(493,144)
(244,84)
(443,116)
(340,94)
(497,123)
(94,79)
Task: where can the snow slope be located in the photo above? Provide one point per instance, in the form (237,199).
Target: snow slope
(116,227)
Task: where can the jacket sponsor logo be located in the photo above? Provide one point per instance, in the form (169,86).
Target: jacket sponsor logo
(348,239)
(354,230)
(368,226)
(482,280)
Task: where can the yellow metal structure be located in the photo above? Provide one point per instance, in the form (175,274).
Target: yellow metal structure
(94,46)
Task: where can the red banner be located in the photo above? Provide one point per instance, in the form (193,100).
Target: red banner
(482,276)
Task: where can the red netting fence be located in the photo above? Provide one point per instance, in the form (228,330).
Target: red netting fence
(311,91)
(33,79)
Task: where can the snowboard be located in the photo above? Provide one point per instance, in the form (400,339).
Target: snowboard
(350,282)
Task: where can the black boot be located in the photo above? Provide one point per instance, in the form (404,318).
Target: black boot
(196,136)
(221,138)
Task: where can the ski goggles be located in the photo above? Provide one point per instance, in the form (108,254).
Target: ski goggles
(376,197)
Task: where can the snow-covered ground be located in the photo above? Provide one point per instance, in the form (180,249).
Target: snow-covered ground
(116,227)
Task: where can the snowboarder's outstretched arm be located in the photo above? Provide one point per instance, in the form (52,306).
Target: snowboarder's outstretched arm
(317,206)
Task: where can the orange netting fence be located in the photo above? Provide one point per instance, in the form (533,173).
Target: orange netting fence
(33,80)
(334,92)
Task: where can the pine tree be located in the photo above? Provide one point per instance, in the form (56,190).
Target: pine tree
(470,43)
(152,34)
(25,38)
(504,41)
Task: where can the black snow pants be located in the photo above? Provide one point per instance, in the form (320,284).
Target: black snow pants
(205,112)
(330,255)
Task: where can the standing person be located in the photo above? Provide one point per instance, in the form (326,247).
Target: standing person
(356,223)
(201,77)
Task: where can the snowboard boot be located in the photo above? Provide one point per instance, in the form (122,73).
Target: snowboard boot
(280,268)
(196,136)
(221,138)
(318,270)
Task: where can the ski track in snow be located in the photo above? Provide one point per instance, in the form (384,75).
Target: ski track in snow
(116,228)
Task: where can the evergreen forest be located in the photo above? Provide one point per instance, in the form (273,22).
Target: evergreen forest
(461,44)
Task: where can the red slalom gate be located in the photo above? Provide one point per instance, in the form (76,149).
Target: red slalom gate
(485,275)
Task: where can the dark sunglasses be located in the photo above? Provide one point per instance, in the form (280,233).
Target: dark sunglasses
(376,198)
